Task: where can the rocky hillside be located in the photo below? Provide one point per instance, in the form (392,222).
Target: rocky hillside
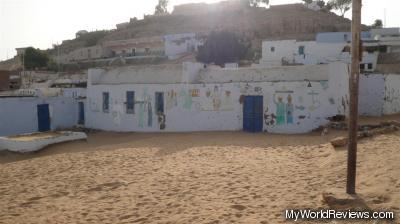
(293,21)
(277,22)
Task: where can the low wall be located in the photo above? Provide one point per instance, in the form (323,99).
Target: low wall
(18,115)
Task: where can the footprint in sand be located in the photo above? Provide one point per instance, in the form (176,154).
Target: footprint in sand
(239,207)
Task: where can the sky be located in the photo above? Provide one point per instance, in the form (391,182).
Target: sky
(42,23)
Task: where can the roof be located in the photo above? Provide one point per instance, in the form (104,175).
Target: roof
(196,73)
(157,74)
(265,74)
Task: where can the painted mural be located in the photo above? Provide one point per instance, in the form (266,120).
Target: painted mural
(161,121)
(218,99)
(186,98)
(284,110)
(171,99)
(117,111)
(145,110)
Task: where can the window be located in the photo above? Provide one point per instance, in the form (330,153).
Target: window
(370,66)
(133,51)
(301,50)
(159,102)
(106,102)
(362,66)
(130,102)
(272,49)
(147,50)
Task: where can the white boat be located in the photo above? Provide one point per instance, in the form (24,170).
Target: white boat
(36,141)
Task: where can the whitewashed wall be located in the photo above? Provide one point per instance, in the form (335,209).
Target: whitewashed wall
(178,44)
(314,53)
(392,94)
(379,94)
(217,106)
(19,115)
(371,94)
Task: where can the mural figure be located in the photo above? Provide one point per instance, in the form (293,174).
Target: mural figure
(315,103)
(280,110)
(172,100)
(216,96)
(227,101)
(149,114)
(187,98)
(161,120)
(141,115)
(289,110)
(195,92)
(269,119)
(145,106)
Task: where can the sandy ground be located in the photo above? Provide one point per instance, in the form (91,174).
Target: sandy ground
(219,177)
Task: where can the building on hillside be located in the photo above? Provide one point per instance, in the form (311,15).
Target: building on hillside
(147,46)
(340,37)
(21,50)
(387,38)
(194,97)
(80,33)
(313,5)
(179,44)
(89,53)
(121,26)
(15,80)
(4,80)
(293,52)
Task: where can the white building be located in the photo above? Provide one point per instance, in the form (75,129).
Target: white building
(191,97)
(179,44)
(292,52)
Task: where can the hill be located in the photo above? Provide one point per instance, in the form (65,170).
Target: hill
(292,21)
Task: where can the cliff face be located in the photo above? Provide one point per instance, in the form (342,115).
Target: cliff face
(278,22)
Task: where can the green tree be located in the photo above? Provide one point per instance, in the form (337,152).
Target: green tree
(377,24)
(161,8)
(35,58)
(222,47)
(341,5)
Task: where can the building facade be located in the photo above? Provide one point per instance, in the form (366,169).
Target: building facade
(189,97)
(148,46)
(179,44)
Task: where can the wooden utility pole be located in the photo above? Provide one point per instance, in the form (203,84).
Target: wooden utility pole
(354,80)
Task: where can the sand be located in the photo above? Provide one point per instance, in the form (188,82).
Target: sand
(218,177)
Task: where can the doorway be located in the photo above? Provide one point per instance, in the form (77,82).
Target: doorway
(253,114)
(81,119)
(43,113)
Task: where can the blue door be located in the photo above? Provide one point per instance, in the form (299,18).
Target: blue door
(43,117)
(81,119)
(253,114)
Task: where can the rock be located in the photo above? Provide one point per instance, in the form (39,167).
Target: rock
(339,142)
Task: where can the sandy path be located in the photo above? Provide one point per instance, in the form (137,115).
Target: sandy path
(189,178)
